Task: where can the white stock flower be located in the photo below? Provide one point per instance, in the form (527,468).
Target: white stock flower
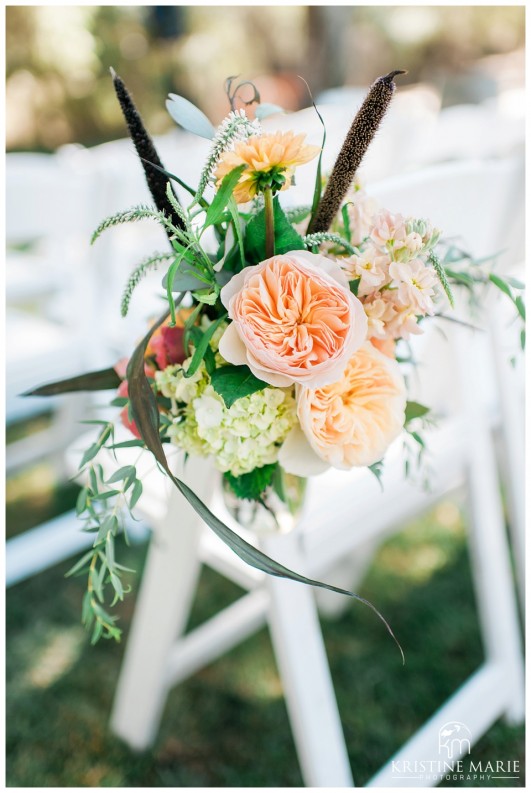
(370,266)
(415,284)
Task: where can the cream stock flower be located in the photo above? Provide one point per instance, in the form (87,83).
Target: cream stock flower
(370,266)
(361,209)
(350,422)
(388,230)
(294,320)
(415,282)
(266,156)
(380,310)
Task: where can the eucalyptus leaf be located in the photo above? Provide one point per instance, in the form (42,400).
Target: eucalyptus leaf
(183,281)
(136,493)
(188,116)
(515,282)
(122,473)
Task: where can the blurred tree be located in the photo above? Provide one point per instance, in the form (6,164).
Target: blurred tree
(327,29)
(166,22)
(58,57)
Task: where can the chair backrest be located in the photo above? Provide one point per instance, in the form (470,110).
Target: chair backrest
(479,201)
(46,197)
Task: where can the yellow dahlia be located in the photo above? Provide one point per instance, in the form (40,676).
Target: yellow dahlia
(270,159)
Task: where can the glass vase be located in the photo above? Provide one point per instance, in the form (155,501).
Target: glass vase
(279,510)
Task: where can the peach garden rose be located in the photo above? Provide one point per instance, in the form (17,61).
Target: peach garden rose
(350,422)
(294,320)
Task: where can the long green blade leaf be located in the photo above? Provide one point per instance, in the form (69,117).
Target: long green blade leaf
(217,207)
(146,416)
(101,380)
(201,348)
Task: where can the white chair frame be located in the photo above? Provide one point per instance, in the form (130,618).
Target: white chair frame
(159,654)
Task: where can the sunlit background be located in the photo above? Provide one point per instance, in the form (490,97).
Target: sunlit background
(463,96)
(58,87)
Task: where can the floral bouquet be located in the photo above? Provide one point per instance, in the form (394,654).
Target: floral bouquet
(277,354)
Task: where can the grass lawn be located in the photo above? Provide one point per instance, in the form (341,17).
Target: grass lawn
(227,726)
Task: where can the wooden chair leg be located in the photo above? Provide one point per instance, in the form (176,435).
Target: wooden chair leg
(303,666)
(161,613)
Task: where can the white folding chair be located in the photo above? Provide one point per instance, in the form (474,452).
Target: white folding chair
(48,294)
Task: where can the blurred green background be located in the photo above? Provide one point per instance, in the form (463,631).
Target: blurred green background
(228,726)
(59,91)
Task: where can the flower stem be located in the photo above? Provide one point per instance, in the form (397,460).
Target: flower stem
(270,223)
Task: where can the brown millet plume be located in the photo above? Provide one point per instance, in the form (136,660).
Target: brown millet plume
(146,150)
(359,137)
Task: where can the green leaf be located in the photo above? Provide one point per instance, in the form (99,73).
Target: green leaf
(201,348)
(106,496)
(207,296)
(96,578)
(127,444)
(419,439)
(82,499)
(110,524)
(522,339)
(515,282)
(117,585)
(184,279)
(97,633)
(346,222)
(224,193)
(414,410)
(251,486)
(234,382)
(377,470)
(109,550)
(233,209)
(122,473)
(101,380)
(441,274)
(147,418)
(520,305)
(171,274)
(89,454)
(177,179)
(79,565)
(318,176)
(501,284)
(136,493)
(188,116)
(354,286)
(286,238)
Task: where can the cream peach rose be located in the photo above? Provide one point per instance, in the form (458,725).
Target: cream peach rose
(294,320)
(350,422)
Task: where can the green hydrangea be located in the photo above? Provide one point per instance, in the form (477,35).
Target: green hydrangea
(240,438)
